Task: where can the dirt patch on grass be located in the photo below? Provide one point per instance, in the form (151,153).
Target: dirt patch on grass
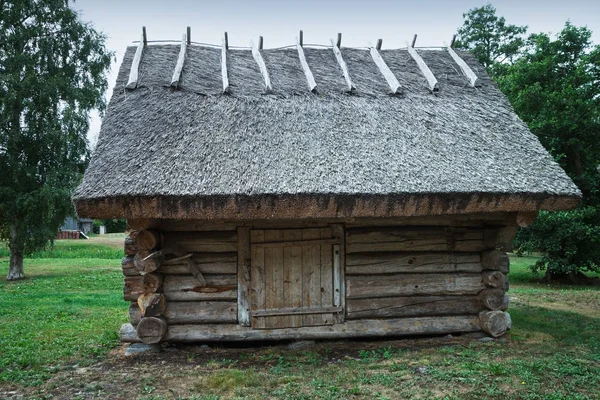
(115,240)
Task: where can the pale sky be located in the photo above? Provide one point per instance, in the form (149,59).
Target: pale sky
(279,21)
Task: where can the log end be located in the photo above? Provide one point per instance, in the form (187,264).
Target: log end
(495,323)
(151,330)
(493,299)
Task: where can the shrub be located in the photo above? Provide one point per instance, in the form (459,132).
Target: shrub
(569,241)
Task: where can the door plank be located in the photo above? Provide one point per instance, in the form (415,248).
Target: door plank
(296,311)
(274,276)
(326,267)
(243,270)
(298,243)
(311,271)
(293,276)
(258,276)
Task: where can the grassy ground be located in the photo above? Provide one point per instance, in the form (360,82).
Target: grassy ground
(58,339)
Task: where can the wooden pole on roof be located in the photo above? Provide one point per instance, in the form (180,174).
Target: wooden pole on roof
(342,63)
(224,76)
(135,64)
(189,35)
(452,41)
(414,41)
(310,79)
(260,42)
(466,70)
(180,61)
(379,44)
(261,65)
(431,80)
(301,38)
(226,42)
(387,73)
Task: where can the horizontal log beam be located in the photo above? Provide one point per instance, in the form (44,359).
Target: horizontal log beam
(296,243)
(458,220)
(417,306)
(411,262)
(192,312)
(208,268)
(295,311)
(349,329)
(187,288)
(312,206)
(414,239)
(198,242)
(376,286)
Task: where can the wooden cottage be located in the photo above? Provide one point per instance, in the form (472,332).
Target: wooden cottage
(314,192)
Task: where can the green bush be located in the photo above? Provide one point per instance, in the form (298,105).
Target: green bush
(569,241)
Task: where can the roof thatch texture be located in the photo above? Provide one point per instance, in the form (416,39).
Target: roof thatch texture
(198,153)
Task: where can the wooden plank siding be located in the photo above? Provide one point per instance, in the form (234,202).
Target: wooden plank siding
(413,306)
(214,253)
(411,262)
(360,287)
(197,242)
(350,329)
(292,282)
(426,238)
(413,271)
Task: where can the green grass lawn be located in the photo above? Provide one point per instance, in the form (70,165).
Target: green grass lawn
(68,310)
(59,325)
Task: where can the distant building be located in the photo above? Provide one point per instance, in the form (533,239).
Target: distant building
(72,226)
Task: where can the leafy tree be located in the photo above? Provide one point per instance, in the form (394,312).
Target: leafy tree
(489,37)
(570,241)
(554,87)
(52,73)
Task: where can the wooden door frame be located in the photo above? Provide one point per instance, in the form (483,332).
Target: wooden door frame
(244,267)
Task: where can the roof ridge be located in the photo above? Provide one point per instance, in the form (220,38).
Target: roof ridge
(385,71)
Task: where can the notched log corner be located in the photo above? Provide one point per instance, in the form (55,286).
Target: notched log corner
(496,323)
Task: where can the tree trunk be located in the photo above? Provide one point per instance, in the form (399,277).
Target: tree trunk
(15,269)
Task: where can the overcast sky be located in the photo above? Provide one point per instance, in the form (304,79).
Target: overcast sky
(278,21)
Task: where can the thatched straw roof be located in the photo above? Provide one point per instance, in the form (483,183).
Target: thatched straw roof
(195,152)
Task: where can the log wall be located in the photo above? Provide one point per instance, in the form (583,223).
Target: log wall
(440,275)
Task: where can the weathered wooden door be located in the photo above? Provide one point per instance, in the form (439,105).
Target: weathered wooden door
(294,278)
